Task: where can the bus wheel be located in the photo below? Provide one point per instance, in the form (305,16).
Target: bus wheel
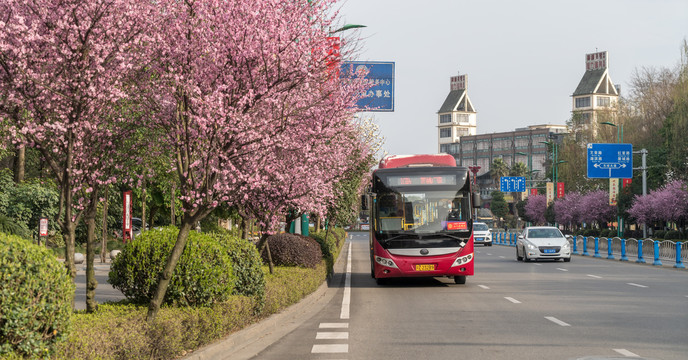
(381,281)
(372,270)
(460,279)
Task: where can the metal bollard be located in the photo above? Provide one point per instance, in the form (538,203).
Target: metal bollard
(609,249)
(640,260)
(597,247)
(623,251)
(656,248)
(585,246)
(575,245)
(513,239)
(679,262)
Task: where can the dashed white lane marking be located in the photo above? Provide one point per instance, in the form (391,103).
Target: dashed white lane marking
(513,300)
(330,349)
(625,352)
(637,285)
(594,276)
(556,321)
(484,287)
(341,335)
(502,257)
(334,325)
(489,254)
(562,269)
(346,301)
(537,264)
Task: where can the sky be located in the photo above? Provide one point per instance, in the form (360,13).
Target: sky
(523,59)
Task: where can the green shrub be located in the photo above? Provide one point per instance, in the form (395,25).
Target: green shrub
(293,250)
(660,234)
(203,275)
(247,265)
(35,298)
(13,227)
(328,247)
(591,232)
(672,235)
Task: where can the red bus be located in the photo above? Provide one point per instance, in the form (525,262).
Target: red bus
(421,218)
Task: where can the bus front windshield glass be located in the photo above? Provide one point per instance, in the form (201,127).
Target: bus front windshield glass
(423,211)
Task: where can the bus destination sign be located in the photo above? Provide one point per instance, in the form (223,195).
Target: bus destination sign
(421,180)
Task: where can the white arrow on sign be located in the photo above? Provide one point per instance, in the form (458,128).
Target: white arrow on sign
(609,165)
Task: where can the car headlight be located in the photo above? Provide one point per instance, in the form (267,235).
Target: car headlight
(566,245)
(531,246)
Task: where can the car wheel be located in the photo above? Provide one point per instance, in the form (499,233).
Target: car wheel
(460,279)
(568,259)
(525,255)
(518,258)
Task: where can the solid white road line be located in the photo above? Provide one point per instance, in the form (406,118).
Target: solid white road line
(625,352)
(556,321)
(330,349)
(334,325)
(342,335)
(484,287)
(561,269)
(594,276)
(637,285)
(346,301)
(513,300)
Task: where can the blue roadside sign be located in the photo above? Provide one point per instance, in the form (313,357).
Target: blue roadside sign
(610,161)
(380,97)
(512,184)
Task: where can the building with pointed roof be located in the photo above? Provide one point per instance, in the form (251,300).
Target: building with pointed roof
(595,96)
(456,117)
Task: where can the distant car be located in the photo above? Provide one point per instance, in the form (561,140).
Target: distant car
(542,242)
(482,234)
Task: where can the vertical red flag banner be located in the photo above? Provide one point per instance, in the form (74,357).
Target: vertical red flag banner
(43,227)
(533,191)
(626,182)
(560,190)
(333,56)
(126,213)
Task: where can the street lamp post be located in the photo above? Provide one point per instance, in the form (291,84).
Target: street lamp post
(619,139)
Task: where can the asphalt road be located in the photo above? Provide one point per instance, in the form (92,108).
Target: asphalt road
(586,309)
(104,292)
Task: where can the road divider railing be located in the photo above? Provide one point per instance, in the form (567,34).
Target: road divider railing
(667,250)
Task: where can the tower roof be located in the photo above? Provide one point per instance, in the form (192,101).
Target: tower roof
(457,100)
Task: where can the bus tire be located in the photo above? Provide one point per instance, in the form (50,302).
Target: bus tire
(460,279)
(381,281)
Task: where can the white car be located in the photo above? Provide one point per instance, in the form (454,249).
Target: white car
(482,234)
(542,242)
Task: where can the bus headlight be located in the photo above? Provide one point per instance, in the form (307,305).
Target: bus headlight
(463,260)
(385,262)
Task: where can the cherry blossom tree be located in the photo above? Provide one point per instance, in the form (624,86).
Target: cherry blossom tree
(63,69)
(668,203)
(247,105)
(568,209)
(536,207)
(595,207)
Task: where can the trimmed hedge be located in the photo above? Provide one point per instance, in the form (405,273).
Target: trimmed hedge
(35,299)
(293,250)
(328,247)
(204,274)
(247,265)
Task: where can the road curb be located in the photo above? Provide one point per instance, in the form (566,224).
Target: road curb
(249,342)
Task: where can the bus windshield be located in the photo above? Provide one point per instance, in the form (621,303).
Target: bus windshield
(422,211)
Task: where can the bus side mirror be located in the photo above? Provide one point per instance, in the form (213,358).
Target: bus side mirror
(364,202)
(476,200)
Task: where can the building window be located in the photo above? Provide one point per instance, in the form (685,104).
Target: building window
(445,132)
(603,101)
(444,148)
(583,102)
(445,118)
(462,118)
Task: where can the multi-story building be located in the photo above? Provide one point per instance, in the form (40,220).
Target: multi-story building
(596,95)
(456,117)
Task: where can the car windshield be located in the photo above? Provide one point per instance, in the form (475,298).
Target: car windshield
(480,227)
(544,233)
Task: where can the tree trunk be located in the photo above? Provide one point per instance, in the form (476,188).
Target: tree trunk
(171,263)
(91,282)
(244,228)
(143,206)
(172,205)
(264,246)
(19,164)
(104,239)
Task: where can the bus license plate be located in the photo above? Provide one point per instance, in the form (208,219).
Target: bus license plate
(425,267)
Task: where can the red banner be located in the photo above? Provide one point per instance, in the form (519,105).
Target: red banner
(126,216)
(560,190)
(627,182)
(533,191)
(457,225)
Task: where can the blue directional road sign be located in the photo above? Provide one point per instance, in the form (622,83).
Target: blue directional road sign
(610,161)
(512,184)
(380,96)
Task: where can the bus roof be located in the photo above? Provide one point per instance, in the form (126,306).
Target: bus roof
(398,161)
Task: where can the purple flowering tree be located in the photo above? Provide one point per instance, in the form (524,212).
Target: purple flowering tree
(536,207)
(595,207)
